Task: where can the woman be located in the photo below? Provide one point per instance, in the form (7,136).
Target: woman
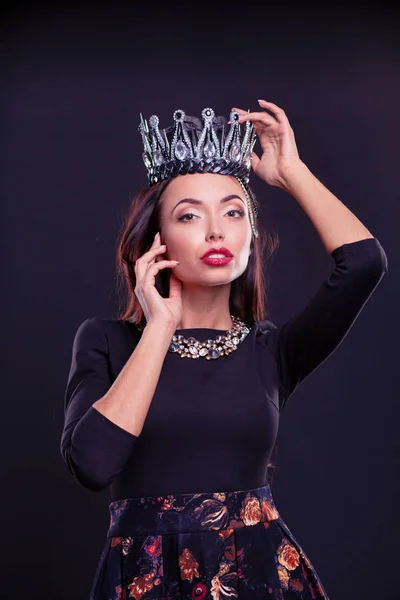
(184,444)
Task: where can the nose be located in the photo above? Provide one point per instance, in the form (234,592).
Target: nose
(215,235)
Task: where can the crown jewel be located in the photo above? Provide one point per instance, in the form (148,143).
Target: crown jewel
(193,146)
(190,146)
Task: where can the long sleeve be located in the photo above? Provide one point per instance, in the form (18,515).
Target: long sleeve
(307,339)
(94,448)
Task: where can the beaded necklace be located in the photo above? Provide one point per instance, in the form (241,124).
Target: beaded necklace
(222,345)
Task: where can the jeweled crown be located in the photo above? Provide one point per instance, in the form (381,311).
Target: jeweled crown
(191,146)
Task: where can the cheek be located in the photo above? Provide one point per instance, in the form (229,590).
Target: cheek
(182,247)
(244,239)
(244,255)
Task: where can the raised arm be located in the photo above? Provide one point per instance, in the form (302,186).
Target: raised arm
(308,338)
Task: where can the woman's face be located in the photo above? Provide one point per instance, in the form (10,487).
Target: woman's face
(208,221)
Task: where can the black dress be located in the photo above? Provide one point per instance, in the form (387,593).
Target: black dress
(191,512)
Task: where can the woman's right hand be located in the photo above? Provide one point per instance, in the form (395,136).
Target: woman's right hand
(166,311)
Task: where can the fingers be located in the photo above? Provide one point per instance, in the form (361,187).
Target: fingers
(147,260)
(154,253)
(278,113)
(149,256)
(261,118)
(240,111)
(155,244)
(149,277)
(146,275)
(161,264)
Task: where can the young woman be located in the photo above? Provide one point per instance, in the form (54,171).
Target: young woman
(184,444)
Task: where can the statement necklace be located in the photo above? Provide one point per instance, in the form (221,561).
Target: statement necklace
(222,345)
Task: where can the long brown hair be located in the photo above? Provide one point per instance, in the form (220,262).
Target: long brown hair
(247,299)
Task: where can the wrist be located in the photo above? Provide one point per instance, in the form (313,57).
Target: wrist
(161,328)
(290,174)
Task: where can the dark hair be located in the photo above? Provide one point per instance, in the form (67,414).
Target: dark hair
(248,292)
(247,298)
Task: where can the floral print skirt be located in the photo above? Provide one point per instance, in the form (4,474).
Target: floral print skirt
(212,546)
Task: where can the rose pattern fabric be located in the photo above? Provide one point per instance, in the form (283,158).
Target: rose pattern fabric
(217,546)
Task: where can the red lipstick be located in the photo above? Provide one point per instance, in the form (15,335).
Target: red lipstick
(219,261)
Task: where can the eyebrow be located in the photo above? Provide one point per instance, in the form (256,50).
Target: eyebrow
(195,201)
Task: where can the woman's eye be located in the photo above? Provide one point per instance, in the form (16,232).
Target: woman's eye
(237,210)
(234,210)
(182,218)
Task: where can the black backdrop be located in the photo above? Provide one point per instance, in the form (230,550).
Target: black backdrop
(73,83)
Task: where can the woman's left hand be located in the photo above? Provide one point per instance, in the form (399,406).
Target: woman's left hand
(277,142)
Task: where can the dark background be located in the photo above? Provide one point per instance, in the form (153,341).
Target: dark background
(74,80)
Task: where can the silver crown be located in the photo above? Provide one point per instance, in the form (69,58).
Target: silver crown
(191,146)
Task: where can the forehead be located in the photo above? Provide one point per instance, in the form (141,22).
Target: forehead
(201,186)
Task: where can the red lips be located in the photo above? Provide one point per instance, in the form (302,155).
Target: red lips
(222,250)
